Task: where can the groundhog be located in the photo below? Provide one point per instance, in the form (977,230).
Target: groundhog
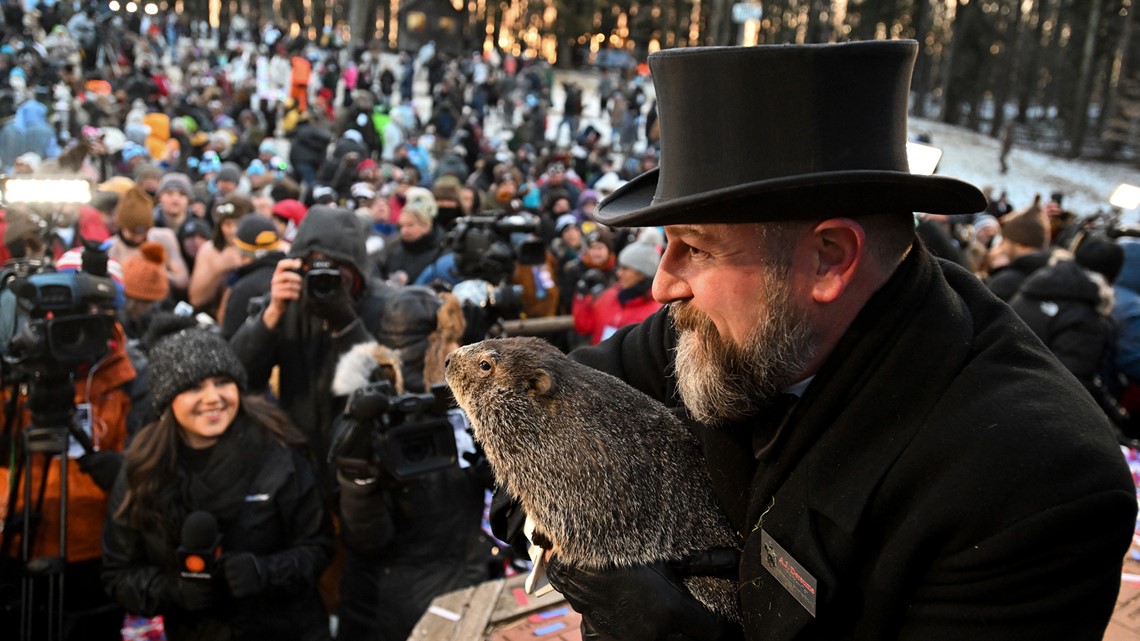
(609,476)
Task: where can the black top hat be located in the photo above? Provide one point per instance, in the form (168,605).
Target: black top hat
(752,134)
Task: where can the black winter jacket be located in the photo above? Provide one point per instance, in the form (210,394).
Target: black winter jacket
(1005,282)
(270,507)
(251,281)
(310,145)
(1069,310)
(304,349)
(411,258)
(940,478)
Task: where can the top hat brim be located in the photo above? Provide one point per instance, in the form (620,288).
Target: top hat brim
(813,196)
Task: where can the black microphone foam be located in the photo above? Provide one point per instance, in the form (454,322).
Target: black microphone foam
(199,531)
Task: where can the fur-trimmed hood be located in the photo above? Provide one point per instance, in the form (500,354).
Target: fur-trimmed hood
(415,332)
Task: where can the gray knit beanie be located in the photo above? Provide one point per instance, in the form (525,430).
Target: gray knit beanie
(180,360)
(641,258)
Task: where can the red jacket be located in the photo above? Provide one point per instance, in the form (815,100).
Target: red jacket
(599,317)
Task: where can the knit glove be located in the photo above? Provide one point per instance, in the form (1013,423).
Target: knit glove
(244,574)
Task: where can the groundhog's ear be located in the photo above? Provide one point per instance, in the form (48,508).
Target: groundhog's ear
(541,383)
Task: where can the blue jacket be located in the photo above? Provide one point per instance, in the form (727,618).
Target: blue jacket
(28,131)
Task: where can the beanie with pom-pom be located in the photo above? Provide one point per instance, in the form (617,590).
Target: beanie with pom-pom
(144,274)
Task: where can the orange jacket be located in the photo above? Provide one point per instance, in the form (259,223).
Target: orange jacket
(86,502)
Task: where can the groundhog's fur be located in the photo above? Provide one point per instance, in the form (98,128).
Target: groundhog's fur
(609,475)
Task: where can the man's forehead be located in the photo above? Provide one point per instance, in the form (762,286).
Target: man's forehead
(712,232)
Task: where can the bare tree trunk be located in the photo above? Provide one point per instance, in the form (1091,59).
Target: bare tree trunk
(720,23)
(1008,77)
(1027,73)
(1080,117)
(1117,75)
(922,20)
(951,93)
(358,21)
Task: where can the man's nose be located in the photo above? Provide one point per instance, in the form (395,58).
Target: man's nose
(667,286)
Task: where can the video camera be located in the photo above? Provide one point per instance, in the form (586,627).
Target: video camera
(399,435)
(61,317)
(487,248)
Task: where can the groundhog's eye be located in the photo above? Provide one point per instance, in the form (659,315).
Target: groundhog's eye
(485,365)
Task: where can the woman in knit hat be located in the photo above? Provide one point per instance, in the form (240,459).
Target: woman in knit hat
(220,468)
(1023,250)
(419,243)
(628,301)
(134,219)
(145,285)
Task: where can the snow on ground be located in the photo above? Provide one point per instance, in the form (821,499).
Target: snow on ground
(973,157)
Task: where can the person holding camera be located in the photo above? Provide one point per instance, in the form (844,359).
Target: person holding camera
(216,521)
(628,301)
(408,538)
(321,302)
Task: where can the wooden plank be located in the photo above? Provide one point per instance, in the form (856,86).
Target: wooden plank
(513,602)
(437,626)
(479,609)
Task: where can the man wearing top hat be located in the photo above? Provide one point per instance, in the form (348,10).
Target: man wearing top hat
(934,472)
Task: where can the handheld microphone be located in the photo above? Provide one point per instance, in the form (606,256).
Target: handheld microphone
(199,549)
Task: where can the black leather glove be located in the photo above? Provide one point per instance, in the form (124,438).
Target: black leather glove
(195,594)
(244,574)
(642,603)
(102,467)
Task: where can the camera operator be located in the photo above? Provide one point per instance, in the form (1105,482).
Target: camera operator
(102,399)
(320,303)
(411,539)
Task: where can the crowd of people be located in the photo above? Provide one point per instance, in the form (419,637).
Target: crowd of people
(300,227)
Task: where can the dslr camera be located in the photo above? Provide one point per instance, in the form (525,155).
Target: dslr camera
(395,436)
(321,278)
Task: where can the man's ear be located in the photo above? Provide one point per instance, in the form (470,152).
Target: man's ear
(838,245)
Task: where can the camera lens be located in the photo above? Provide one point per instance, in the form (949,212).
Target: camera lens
(322,283)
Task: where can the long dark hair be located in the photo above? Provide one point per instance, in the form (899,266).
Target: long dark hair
(152,459)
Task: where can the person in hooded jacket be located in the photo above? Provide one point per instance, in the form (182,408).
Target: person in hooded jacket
(234,457)
(1068,305)
(304,330)
(407,541)
(309,148)
(28,131)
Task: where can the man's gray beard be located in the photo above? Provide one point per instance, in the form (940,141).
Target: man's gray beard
(721,382)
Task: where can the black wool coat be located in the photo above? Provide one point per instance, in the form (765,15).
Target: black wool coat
(266,501)
(942,477)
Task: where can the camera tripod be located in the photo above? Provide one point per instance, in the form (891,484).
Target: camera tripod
(50,399)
